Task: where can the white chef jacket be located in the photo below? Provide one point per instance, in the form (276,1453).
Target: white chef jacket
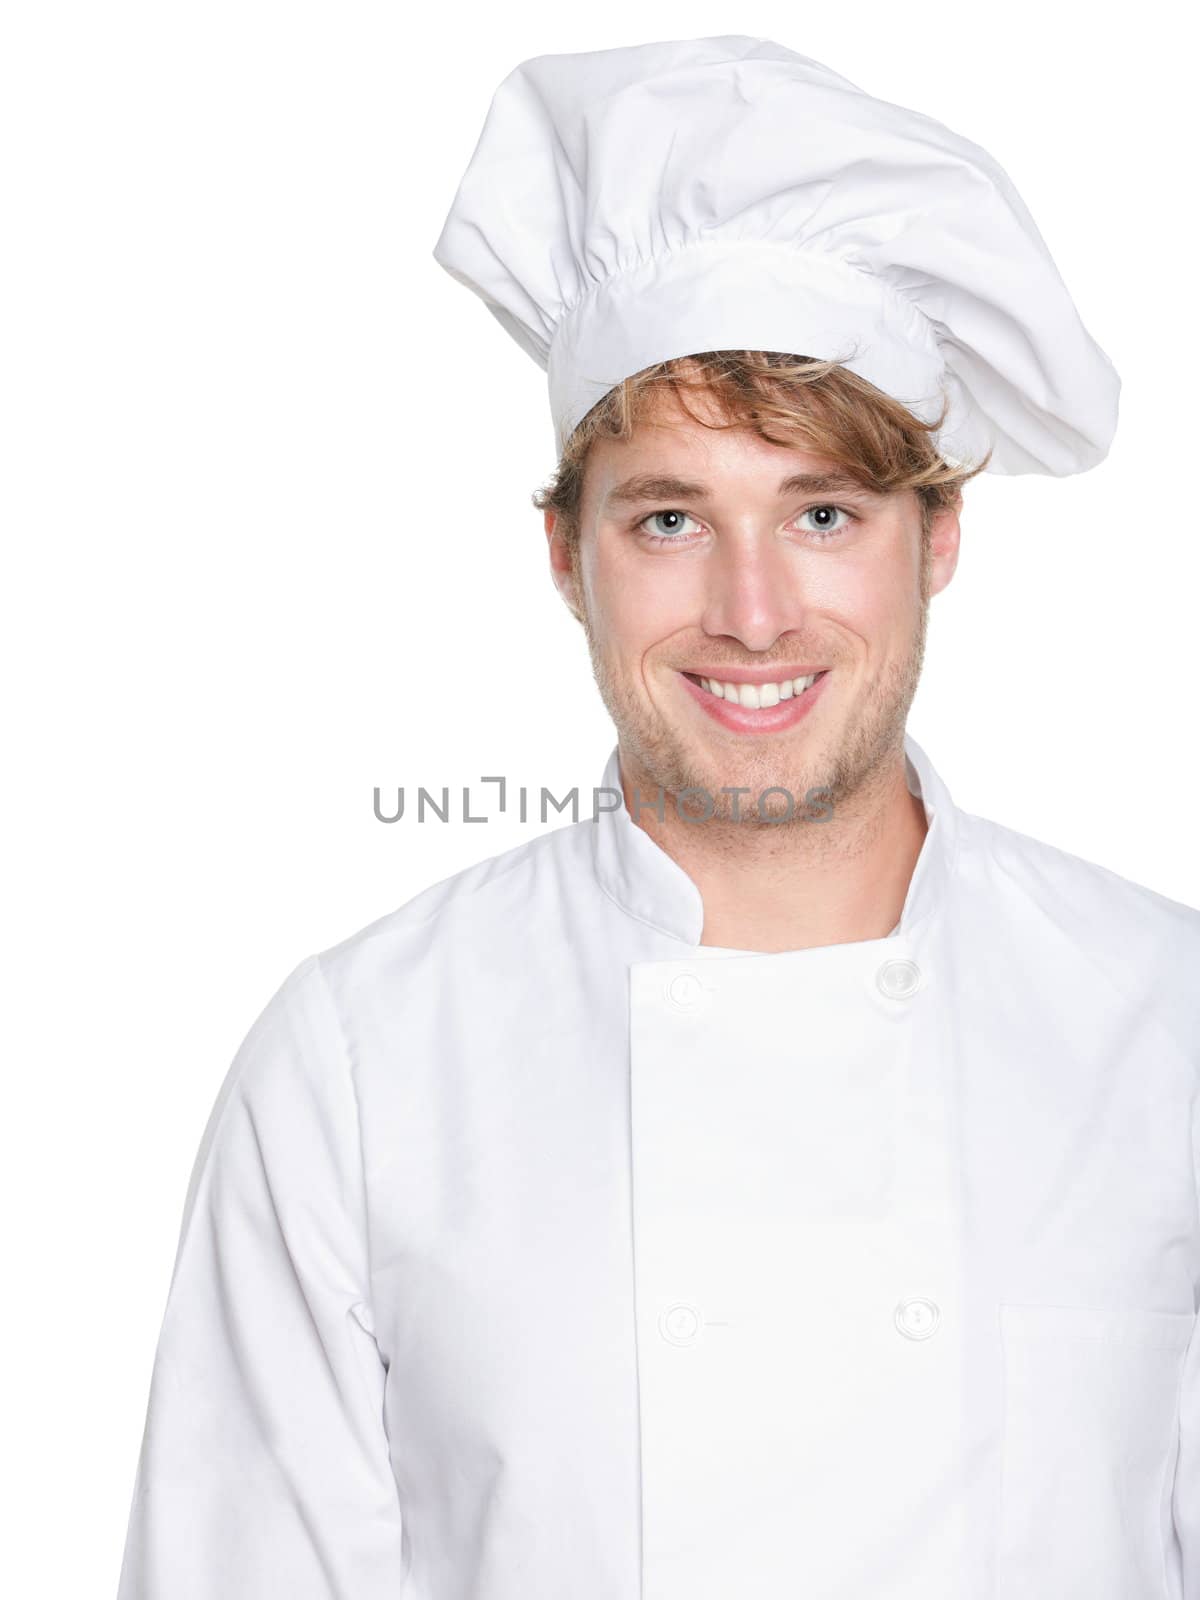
(536,1251)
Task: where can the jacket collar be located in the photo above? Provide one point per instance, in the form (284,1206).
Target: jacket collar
(650,885)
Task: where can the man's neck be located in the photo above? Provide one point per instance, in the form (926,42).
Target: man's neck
(795,886)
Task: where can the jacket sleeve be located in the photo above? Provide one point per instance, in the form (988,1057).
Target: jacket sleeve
(1185,1500)
(1187,1476)
(264,1467)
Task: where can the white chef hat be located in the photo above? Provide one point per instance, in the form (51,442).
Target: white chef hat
(623,207)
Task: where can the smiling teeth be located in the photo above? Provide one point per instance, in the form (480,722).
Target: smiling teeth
(756,695)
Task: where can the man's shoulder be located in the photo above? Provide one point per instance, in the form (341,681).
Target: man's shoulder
(501,893)
(1131,937)
(1087,890)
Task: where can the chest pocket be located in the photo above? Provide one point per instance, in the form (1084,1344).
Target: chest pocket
(1091,1397)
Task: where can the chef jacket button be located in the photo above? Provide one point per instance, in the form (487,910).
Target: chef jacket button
(685,990)
(679,1323)
(898,979)
(917,1318)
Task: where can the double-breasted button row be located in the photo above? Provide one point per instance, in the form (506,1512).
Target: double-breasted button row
(897,979)
(916,1318)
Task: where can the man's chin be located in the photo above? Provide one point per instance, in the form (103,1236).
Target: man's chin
(723,784)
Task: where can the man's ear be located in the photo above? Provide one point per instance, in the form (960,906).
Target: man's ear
(560,565)
(944,536)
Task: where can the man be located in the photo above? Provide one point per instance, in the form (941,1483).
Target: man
(785,1183)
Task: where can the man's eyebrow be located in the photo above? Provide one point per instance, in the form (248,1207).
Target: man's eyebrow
(654,486)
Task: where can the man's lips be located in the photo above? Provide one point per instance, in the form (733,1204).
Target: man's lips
(777,718)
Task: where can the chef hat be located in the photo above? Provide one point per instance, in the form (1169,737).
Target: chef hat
(623,207)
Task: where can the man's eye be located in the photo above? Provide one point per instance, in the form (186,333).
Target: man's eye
(825,525)
(671,527)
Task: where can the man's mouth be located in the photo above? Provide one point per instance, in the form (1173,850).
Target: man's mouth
(754,696)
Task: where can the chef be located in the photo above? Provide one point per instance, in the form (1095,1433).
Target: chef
(780,1181)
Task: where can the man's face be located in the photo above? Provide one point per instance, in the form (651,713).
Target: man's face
(731,573)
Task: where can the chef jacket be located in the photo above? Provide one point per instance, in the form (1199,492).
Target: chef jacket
(536,1251)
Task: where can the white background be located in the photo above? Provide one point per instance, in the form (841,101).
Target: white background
(266,478)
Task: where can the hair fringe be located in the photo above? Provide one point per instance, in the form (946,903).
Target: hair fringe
(799,402)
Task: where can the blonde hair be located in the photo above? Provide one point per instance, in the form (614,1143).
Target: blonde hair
(796,401)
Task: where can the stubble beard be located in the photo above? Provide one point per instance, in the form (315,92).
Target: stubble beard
(663,762)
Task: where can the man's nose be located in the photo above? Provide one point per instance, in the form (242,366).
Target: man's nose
(752,591)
